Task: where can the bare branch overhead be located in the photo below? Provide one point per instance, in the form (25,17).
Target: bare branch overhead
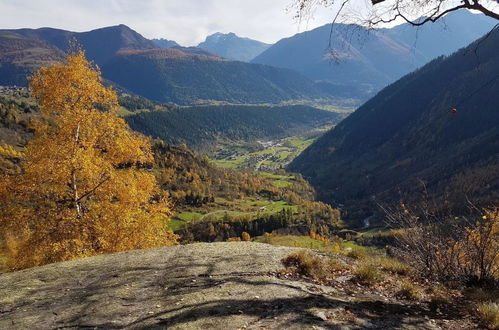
(414,12)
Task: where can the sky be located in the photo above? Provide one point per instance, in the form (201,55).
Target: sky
(186,21)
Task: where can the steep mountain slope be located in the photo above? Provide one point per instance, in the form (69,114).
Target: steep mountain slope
(21,56)
(170,75)
(231,46)
(408,135)
(100,44)
(210,124)
(372,59)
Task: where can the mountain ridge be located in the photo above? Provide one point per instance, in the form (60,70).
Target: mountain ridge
(100,44)
(349,55)
(390,144)
(191,78)
(182,75)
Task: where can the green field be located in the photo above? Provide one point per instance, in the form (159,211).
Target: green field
(179,220)
(265,156)
(278,180)
(248,208)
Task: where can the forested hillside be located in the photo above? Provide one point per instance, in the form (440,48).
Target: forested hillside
(436,129)
(364,61)
(214,204)
(232,202)
(21,57)
(170,75)
(206,125)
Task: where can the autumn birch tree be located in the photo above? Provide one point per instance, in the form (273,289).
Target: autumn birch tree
(85,188)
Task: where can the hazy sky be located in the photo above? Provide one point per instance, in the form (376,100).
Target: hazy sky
(185,21)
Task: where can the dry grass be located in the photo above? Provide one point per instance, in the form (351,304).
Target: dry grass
(368,274)
(3,264)
(392,265)
(3,257)
(489,315)
(439,296)
(310,265)
(357,254)
(409,290)
(483,295)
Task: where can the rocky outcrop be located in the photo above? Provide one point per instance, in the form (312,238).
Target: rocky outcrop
(198,286)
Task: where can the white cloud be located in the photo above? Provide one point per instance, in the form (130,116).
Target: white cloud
(185,21)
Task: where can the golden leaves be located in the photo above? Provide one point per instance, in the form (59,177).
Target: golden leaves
(84,189)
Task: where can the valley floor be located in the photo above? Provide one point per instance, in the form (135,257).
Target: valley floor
(204,286)
(265,156)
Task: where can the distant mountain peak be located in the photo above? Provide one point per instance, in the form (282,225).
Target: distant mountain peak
(230,45)
(165,43)
(218,35)
(119,27)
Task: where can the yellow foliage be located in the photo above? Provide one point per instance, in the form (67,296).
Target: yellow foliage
(476,254)
(84,189)
(245,236)
(7,150)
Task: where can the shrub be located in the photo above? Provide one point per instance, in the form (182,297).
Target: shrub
(245,236)
(449,248)
(368,274)
(489,315)
(310,265)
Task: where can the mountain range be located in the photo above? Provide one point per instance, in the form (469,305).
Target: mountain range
(435,131)
(294,68)
(183,75)
(352,57)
